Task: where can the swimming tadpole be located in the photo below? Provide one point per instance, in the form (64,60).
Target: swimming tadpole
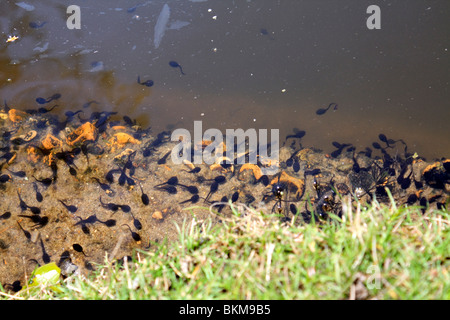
(148,83)
(175,64)
(323,111)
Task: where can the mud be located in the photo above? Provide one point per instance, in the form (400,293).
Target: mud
(71,151)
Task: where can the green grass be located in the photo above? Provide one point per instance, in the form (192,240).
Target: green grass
(381,252)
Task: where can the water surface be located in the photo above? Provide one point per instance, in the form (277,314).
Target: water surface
(247,64)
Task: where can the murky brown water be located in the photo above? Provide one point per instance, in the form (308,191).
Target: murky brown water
(238,56)
(247,64)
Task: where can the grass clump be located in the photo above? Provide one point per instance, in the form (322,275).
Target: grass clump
(378,252)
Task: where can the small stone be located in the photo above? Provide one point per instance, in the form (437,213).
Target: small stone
(342,188)
(68,268)
(157,215)
(284,154)
(189,164)
(345,165)
(123,156)
(418,166)
(303,154)
(34,236)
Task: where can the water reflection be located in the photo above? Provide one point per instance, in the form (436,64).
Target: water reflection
(248,64)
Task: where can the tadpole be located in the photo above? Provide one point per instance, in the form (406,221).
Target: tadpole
(323,111)
(105,187)
(136,237)
(5,216)
(193,199)
(70,208)
(26,233)
(45,256)
(20,174)
(175,64)
(78,248)
(195,170)
(39,196)
(173,181)
(137,224)
(144,197)
(213,188)
(46,182)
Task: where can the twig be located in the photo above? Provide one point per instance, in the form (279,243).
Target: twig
(11,296)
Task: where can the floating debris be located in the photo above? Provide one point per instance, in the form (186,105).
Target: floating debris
(161,25)
(12,39)
(43,48)
(25,6)
(97,66)
(177,25)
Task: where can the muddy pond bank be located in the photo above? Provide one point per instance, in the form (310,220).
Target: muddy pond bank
(77,187)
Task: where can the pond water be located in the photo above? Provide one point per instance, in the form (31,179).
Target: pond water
(247,64)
